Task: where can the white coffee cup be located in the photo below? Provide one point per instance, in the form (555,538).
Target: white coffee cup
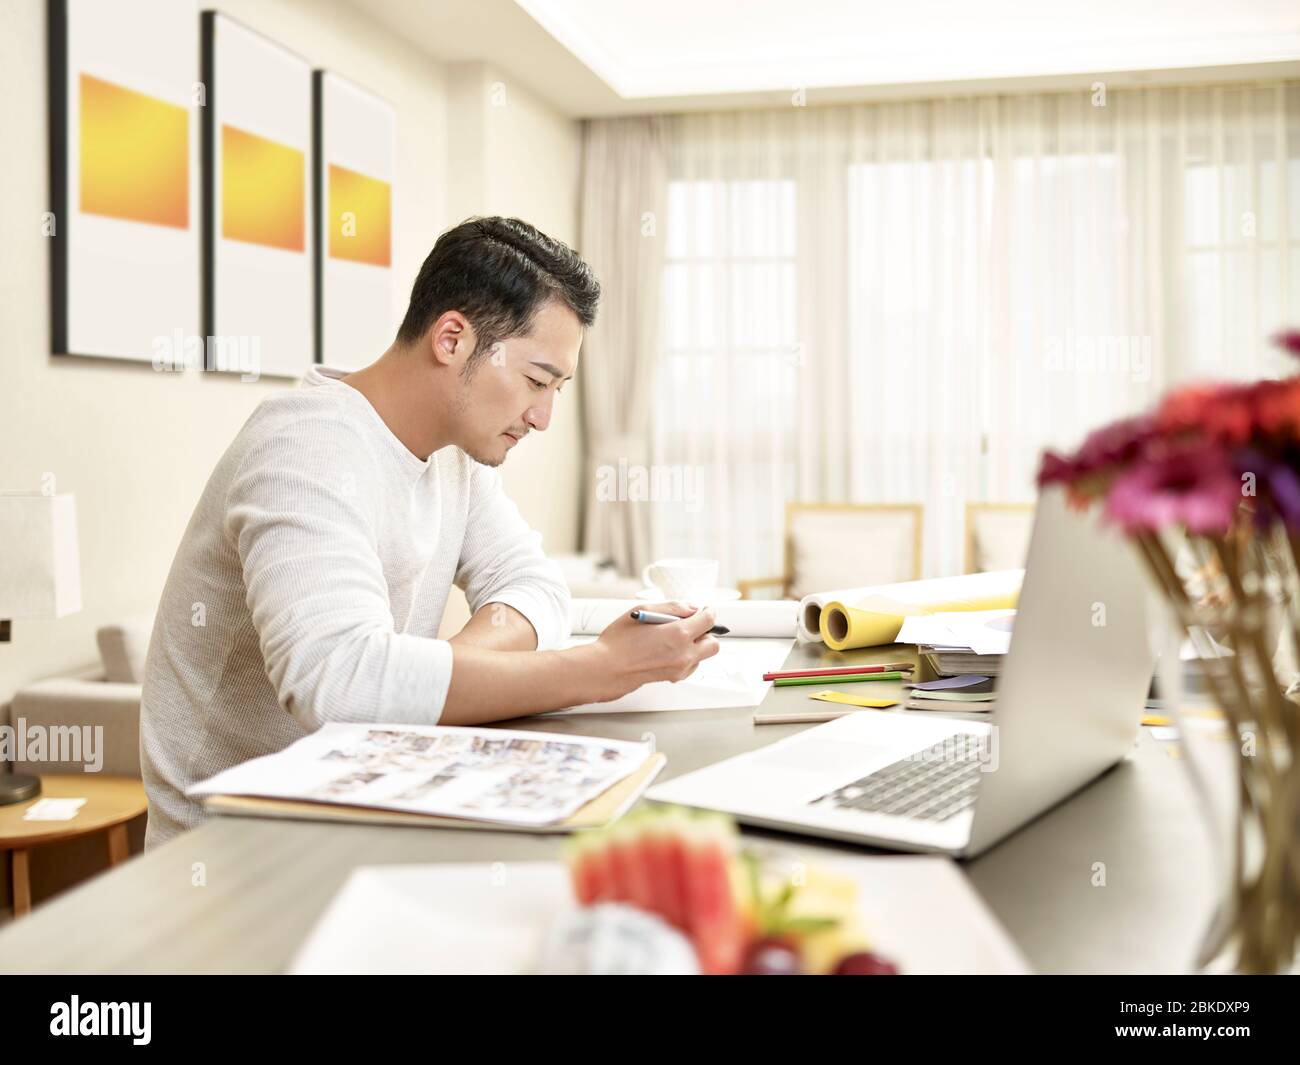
(683,578)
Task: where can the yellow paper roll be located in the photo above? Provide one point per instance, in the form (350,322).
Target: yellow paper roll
(845,627)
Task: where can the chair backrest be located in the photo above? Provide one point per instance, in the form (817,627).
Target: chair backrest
(848,545)
(997,535)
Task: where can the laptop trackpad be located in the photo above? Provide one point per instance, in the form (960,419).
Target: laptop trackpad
(827,758)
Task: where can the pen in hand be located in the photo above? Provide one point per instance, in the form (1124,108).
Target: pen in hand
(649,617)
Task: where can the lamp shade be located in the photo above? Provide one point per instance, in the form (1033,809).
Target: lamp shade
(40,569)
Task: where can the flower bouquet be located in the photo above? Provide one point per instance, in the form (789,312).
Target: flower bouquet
(1208,488)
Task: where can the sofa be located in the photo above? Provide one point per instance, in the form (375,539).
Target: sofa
(105,695)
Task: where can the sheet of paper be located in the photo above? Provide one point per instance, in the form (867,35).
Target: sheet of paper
(53,809)
(486,774)
(731,678)
(492,918)
(965,682)
(983,632)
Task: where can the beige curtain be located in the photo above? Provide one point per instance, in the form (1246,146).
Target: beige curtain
(906,302)
(623,186)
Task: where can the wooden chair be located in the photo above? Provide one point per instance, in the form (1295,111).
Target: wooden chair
(997,535)
(845,545)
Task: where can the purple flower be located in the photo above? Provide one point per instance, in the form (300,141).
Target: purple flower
(1191,485)
(1276,485)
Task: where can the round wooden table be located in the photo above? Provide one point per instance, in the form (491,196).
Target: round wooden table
(110,803)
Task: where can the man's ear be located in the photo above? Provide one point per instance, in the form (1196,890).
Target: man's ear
(451,339)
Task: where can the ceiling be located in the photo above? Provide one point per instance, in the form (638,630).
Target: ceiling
(601,57)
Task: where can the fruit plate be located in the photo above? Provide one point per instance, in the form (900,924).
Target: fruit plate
(492,918)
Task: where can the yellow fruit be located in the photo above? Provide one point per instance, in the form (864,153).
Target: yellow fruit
(828,894)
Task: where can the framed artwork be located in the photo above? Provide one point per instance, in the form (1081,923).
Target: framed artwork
(355,134)
(124,178)
(257,235)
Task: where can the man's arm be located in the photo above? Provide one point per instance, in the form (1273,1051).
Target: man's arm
(297,513)
(497,627)
(502,565)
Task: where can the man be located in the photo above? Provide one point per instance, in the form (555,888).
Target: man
(312,578)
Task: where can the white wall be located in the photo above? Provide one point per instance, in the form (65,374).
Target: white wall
(136,446)
(515,156)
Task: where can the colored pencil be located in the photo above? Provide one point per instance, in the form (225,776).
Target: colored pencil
(841,671)
(839,678)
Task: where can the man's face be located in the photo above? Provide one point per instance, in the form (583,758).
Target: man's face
(511,390)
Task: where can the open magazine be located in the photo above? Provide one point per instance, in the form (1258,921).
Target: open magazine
(475,774)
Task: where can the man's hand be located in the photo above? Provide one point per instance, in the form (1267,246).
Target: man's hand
(630,653)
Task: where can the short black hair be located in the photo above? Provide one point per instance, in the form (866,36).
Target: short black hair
(498,272)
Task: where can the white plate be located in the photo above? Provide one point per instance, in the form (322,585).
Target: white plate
(718,595)
(491,918)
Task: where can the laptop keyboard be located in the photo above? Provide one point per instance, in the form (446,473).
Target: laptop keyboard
(924,786)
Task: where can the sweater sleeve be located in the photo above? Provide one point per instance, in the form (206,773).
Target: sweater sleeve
(298,513)
(502,561)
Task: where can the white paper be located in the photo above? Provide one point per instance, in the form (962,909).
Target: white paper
(53,809)
(731,678)
(982,632)
(482,774)
(773,618)
(920,912)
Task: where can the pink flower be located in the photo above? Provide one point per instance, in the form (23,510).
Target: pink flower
(1192,485)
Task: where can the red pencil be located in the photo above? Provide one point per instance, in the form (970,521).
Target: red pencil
(888,667)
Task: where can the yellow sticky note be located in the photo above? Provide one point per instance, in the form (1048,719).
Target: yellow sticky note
(853,700)
(1156,719)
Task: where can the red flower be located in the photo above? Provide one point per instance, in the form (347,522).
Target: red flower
(1277,407)
(1288,340)
(1221,412)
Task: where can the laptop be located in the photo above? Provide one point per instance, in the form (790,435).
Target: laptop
(1070,700)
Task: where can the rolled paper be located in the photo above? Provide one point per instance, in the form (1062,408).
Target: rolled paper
(872,620)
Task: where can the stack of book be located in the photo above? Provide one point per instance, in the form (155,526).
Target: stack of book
(959,661)
(961,643)
(968,693)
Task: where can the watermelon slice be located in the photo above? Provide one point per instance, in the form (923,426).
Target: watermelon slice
(716,922)
(638,862)
(588,870)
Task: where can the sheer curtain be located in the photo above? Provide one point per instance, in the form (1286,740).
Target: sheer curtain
(906,302)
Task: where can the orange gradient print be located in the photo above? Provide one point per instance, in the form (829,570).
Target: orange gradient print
(359,218)
(263,191)
(135,158)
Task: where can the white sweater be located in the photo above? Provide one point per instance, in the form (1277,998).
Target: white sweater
(310,584)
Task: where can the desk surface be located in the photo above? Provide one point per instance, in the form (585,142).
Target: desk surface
(240,895)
